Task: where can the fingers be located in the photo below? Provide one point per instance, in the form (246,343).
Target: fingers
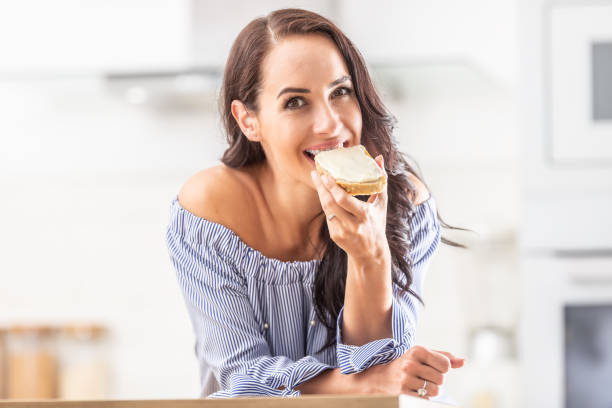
(421,371)
(413,385)
(380,199)
(327,200)
(436,360)
(416,395)
(430,374)
(456,362)
(422,364)
(342,198)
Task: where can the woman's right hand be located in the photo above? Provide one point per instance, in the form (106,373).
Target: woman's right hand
(406,374)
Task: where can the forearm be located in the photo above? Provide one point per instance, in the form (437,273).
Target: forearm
(367,301)
(333,382)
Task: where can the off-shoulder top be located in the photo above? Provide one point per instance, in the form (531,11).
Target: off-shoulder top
(253,318)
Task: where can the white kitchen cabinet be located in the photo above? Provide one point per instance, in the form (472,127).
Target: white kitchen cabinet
(566,235)
(418,31)
(550,286)
(565,153)
(71,37)
(579,67)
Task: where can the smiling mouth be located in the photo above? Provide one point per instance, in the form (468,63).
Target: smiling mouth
(310,154)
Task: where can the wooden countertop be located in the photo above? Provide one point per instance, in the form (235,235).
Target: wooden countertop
(308,401)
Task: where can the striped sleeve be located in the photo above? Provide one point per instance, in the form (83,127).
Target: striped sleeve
(228,340)
(425,237)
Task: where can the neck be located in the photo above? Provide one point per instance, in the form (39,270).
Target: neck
(293,207)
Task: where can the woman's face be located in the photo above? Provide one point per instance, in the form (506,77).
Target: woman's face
(306,103)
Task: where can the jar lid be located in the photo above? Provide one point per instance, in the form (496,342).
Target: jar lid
(85,331)
(23,330)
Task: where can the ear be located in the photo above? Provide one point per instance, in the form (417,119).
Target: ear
(246,119)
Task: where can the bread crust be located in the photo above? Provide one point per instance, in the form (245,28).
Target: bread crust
(362,188)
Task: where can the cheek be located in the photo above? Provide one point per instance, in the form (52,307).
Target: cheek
(353,118)
(291,131)
(283,138)
(358,122)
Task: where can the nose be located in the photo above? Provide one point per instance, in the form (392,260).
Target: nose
(327,120)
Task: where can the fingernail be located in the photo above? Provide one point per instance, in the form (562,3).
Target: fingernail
(326,179)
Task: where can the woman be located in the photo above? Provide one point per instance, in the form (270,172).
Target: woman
(292,285)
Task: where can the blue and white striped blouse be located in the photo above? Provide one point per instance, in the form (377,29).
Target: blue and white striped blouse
(255,326)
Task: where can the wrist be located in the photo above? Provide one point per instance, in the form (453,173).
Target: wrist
(333,382)
(365,381)
(374,264)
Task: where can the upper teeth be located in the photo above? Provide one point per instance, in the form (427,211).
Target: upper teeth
(317,151)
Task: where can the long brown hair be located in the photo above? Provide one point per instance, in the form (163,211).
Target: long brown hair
(242,81)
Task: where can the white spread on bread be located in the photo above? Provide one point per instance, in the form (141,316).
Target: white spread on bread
(350,164)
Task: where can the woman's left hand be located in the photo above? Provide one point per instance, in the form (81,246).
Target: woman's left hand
(357,227)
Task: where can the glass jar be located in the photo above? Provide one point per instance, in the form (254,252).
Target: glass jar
(31,363)
(2,363)
(84,360)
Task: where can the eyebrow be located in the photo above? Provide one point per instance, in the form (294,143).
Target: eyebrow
(304,90)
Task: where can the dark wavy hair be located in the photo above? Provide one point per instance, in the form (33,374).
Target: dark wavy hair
(242,81)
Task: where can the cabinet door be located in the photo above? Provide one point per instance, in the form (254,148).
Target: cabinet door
(580,74)
(71,37)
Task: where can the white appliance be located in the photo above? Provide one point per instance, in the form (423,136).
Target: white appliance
(565,338)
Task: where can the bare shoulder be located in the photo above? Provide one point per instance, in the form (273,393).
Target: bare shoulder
(218,194)
(422,193)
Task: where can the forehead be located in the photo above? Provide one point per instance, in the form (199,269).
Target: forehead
(301,60)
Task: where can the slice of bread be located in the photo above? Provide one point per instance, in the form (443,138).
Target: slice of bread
(353,169)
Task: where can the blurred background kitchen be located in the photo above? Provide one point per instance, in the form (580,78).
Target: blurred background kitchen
(107,107)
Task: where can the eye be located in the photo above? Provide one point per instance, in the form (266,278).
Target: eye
(294,103)
(342,91)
